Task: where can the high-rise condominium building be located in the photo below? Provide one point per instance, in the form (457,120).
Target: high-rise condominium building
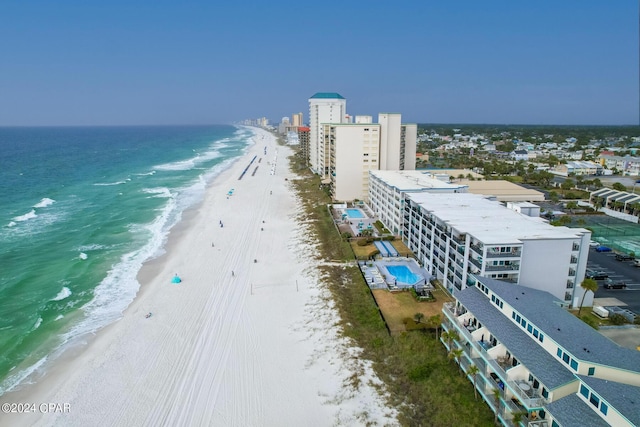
(296,120)
(457,237)
(397,143)
(324,107)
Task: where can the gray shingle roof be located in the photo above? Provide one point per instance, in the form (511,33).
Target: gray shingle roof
(571,411)
(542,310)
(624,398)
(549,371)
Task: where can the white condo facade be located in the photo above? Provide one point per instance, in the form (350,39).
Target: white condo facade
(456,237)
(354,152)
(388,189)
(324,107)
(397,142)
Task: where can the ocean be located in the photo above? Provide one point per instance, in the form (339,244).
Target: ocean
(81,209)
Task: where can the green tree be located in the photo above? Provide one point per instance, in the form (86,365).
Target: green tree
(567,185)
(455,355)
(618,186)
(434,323)
(587,284)
(474,371)
(571,206)
(418,317)
(496,398)
(450,336)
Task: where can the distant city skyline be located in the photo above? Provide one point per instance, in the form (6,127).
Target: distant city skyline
(500,62)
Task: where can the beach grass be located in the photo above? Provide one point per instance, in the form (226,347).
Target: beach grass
(420,381)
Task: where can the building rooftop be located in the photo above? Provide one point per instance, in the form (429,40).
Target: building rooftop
(327,95)
(551,372)
(623,397)
(543,310)
(415,181)
(504,191)
(490,221)
(572,411)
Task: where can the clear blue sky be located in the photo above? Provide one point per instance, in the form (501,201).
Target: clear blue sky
(460,61)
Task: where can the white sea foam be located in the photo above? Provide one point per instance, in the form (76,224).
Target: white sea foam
(13,380)
(83,255)
(91,247)
(30,215)
(44,203)
(64,293)
(106,184)
(38,323)
(146,174)
(12,224)
(191,163)
(162,192)
(60,316)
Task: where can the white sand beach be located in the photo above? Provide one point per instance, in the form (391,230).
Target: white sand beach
(237,343)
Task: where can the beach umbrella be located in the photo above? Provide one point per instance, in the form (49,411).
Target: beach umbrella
(176,279)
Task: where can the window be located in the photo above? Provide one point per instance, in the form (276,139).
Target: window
(592,371)
(541,338)
(559,353)
(530,328)
(535,333)
(594,400)
(523,323)
(554,424)
(584,391)
(566,358)
(603,408)
(574,364)
(545,393)
(518,318)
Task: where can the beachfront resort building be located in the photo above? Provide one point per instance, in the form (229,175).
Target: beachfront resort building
(537,362)
(388,189)
(324,107)
(359,147)
(457,237)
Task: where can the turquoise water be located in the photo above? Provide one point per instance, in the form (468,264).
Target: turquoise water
(80,210)
(403,274)
(355,213)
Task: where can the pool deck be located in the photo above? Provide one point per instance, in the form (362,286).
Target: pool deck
(374,273)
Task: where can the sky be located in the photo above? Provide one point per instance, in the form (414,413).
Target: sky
(197,62)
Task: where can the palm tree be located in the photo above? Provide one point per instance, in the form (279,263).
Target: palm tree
(496,397)
(473,371)
(434,323)
(418,317)
(450,336)
(588,285)
(455,355)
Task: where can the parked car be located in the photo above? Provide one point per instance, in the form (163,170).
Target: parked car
(603,249)
(596,275)
(594,244)
(610,284)
(636,262)
(623,257)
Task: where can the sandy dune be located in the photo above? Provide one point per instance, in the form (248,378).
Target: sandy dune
(238,342)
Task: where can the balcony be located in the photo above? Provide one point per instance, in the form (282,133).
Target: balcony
(509,267)
(498,254)
(477,248)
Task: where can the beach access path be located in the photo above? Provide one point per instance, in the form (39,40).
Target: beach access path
(248,338)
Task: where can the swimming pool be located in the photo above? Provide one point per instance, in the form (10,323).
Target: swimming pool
(403,274)
(355,213)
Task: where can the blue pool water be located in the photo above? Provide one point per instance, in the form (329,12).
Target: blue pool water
(355,213)
(403,274)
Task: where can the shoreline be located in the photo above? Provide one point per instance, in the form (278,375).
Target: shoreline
(235,343)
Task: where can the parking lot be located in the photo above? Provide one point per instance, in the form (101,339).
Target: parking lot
(617,271)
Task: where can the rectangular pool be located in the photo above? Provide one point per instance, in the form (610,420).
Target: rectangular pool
(403,274)
(355,213)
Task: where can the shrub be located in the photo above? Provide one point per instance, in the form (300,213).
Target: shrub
(617,319)
(590,320)
(362,242)
(346,235)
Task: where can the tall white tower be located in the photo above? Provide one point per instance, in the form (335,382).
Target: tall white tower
(324,107)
